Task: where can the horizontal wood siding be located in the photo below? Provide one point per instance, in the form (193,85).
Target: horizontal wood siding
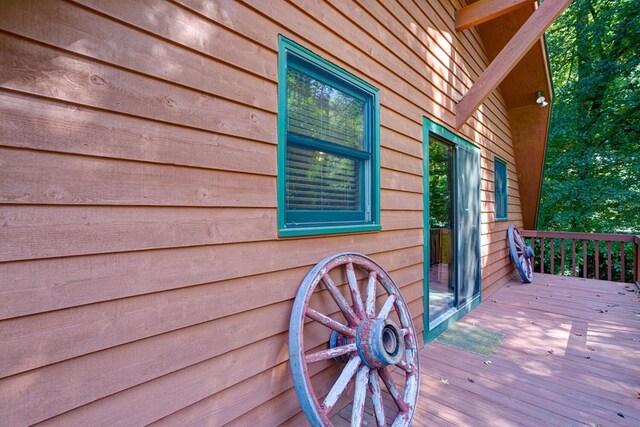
(142,279)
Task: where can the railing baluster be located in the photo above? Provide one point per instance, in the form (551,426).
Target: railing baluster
(597,260)
(609,261)
(542,255)
(562,257)
(573,257)
(584,259)
(623,279)
(553,261)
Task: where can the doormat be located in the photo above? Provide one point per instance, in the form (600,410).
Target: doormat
(471,339)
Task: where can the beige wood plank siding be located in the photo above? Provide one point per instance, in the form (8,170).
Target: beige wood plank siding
(142,279)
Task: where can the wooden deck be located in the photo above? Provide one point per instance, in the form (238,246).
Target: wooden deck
(570,356)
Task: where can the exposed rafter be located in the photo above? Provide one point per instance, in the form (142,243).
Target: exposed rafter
(510,55)
(485,10)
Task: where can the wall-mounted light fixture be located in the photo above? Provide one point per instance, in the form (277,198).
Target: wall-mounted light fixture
(540,99)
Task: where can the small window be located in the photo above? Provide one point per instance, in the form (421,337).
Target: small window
(500,188)
(328,172)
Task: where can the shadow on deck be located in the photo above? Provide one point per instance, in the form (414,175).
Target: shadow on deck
(569,357)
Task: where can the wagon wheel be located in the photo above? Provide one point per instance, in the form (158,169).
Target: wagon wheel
(373,339)
(521,254)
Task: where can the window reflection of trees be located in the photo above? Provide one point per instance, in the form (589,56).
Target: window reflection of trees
(440,160)
(319,111)
(317,180)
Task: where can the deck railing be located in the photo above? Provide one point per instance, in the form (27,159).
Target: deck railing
(588,255)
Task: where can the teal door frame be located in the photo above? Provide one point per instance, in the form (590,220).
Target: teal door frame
(432,129)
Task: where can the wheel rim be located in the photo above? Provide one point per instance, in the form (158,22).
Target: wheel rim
(521,254)
(372,334)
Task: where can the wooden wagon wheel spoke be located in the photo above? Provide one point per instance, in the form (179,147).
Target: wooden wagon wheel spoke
(393,390)
(521,254)
(520,241)
(405,366)
(386,308)
(340,300)
(355,291)
(360,395)
(367,346)
(330,353)
(529,268)
(371,295)
(341,383)
(330,323)
(518,244)
(376,398)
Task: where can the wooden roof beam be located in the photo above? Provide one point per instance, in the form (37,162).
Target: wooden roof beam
(508,57)
(485,10)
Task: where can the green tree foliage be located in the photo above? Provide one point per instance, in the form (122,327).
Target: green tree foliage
(440,173)
(592,171)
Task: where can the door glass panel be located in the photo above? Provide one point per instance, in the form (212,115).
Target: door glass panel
(468,266)
(441,229)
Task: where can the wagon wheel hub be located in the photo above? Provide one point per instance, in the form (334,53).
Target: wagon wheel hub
(529,252)
(380,343)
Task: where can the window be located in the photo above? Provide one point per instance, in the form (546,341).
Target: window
(500,188)
(328,148)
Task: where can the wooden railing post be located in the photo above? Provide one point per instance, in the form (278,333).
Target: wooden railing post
(541,255)
(584,259)
(609,261)
(553,261)
(573,258)
(562,257)
(597,260)
(622,272)
(636,260)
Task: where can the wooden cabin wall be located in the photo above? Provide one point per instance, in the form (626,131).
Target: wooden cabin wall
(142,279)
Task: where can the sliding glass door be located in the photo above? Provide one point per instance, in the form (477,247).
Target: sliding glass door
(452,227)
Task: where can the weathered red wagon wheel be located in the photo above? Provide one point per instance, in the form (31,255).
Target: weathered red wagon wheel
(521,254)
(369,339)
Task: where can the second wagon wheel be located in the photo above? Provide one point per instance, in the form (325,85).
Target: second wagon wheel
(354,347)
(521,254)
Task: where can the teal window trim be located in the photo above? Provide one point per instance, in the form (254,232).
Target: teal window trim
(429,127)
(316,222)
(496,162)
(433,129)
(314,231)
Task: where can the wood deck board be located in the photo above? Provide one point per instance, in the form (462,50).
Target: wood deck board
(525,384)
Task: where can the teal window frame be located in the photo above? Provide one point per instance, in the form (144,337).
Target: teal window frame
(305,223)
(500,166)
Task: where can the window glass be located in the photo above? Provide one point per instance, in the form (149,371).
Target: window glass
(500,186)
(321,181)
(319,111)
